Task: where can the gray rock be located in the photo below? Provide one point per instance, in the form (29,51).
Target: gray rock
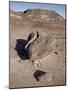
(42,44)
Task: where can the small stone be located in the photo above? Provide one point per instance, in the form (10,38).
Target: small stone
(19,61)
(56,52)
(56,45)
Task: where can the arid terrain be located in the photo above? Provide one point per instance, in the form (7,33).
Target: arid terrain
(49,68)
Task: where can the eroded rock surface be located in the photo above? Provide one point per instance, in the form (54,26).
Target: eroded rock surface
(43,44)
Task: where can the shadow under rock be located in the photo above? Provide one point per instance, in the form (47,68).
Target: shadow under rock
(38,73)
(20,48)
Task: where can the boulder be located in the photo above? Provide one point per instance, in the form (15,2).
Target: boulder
(41,45)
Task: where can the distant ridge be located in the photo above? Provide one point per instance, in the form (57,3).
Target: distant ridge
(41,15)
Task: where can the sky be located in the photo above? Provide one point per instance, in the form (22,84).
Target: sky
(21,6)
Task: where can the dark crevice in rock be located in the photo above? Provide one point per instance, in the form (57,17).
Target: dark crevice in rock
(38,73)
(20,48)
(56,52)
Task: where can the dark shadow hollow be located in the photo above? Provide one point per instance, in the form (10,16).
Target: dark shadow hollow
(25,11)
(38,73)
(20,48)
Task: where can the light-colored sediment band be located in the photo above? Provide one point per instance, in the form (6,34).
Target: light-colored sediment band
(34,38)
(19,17)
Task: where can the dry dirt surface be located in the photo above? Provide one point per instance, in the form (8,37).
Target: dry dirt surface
(46,69)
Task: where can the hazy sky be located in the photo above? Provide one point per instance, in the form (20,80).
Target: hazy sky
(20,6)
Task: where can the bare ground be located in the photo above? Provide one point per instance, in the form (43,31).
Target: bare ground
(21,71)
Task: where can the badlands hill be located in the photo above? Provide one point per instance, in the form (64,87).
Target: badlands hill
(37,18)
(41,15)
